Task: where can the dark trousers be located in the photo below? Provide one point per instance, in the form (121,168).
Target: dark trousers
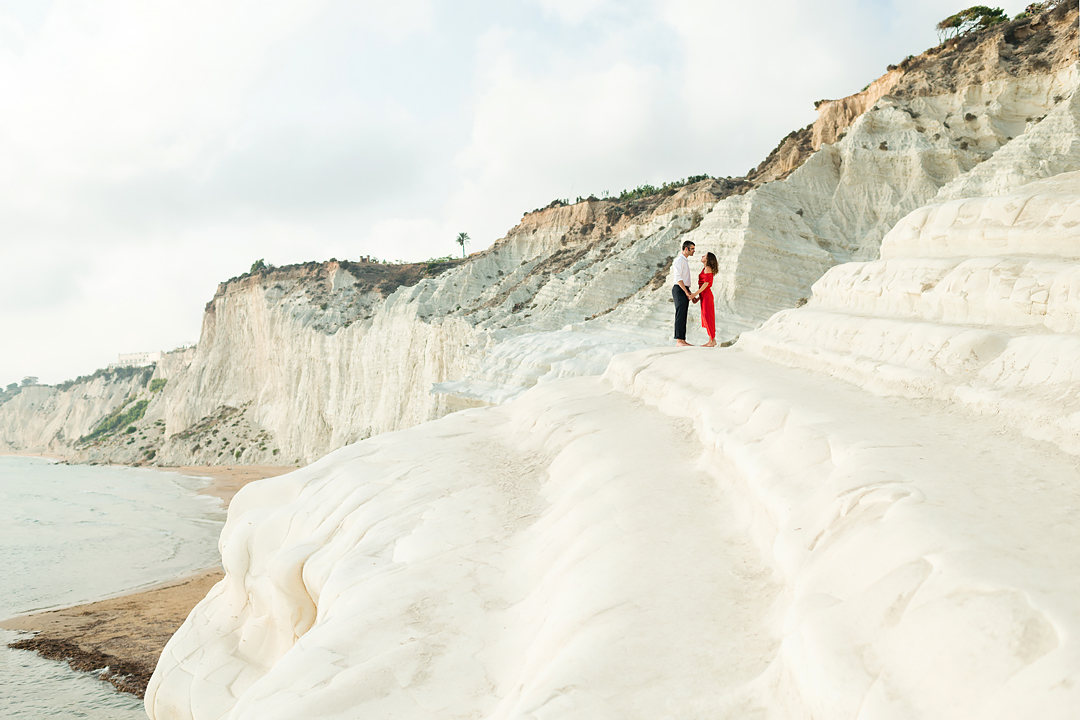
(682,307)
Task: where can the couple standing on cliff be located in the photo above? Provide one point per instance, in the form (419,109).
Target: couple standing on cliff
(680,293)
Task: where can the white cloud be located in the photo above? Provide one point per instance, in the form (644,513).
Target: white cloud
(113,87)
(564,127)
(401,19)
(768,60)
(574,12)
(410,238)
(153,149)
(577,125)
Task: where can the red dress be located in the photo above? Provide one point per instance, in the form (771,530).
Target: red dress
(708,309)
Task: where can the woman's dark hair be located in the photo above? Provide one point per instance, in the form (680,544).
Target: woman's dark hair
(710,262)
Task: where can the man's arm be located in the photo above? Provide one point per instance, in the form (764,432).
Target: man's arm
(680,263)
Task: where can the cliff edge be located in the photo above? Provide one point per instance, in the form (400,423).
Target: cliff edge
(295,362)
(859,510)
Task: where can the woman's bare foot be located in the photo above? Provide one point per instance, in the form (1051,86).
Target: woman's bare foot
(711,343)
(683,343)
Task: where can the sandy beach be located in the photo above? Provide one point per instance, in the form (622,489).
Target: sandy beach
(127,633)
(226,480)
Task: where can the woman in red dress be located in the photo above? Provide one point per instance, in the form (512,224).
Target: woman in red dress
(705,296)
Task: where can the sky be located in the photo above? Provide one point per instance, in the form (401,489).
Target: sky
(154,149)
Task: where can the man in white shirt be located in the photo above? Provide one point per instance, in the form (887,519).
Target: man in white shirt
(680,291)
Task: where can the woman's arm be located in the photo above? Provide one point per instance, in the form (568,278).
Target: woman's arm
(704,287)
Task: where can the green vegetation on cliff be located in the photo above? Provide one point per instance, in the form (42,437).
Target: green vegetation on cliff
(123,416)
(976,17)
(110,373)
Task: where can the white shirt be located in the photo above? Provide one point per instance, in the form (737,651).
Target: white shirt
(681,268)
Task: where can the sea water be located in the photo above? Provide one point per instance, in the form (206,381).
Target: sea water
(73,534)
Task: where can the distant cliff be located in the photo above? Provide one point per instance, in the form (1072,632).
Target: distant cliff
(294,362)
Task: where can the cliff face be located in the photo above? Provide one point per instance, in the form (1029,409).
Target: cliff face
(975,302)
(295,362)
(865,508)
(51,420)
(895,157)
(279,375)
(273,379)
(1038,45)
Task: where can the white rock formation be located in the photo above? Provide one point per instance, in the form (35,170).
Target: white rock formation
(975,302)
(854,512)
(53,420)
(264,352)
(776,240)
(559,296)
(1048,146)
(44,419)
(294,363)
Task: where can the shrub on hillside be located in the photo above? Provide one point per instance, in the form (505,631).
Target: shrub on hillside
(11,391)
(1037,8)
(112,373)
(976,17)
(123,416)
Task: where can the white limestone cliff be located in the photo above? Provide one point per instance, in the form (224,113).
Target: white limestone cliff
(44,419)
(975,302)
(552,302)
(295,362)
(865,508)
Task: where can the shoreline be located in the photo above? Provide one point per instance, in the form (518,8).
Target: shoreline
(126,633)
(226,480)
(43,456)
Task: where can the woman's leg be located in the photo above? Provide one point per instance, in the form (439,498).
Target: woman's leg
(708,317)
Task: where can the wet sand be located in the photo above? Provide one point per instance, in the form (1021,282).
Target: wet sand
(127,633)
(226,480)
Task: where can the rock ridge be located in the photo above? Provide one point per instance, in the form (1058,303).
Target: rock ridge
(294,362)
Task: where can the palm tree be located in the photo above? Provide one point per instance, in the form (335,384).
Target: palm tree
(462,239)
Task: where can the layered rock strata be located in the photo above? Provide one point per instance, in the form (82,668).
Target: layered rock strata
(975,302)
(48,420)
(295,362)
(841,516)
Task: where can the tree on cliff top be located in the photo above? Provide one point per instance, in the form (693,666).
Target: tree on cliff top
(1037,7)
(462,239)
(976,17)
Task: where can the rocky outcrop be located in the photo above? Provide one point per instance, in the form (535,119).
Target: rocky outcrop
(294,362)
(282,375)
(52,420)
(776,240)
(1037,45)
(865,508)
(975,302)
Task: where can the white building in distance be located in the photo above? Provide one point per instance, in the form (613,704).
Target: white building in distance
(136,359)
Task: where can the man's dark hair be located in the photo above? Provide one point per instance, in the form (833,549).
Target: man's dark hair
(687,244)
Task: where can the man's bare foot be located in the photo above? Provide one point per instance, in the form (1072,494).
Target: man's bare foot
(711,343)
(683,343)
